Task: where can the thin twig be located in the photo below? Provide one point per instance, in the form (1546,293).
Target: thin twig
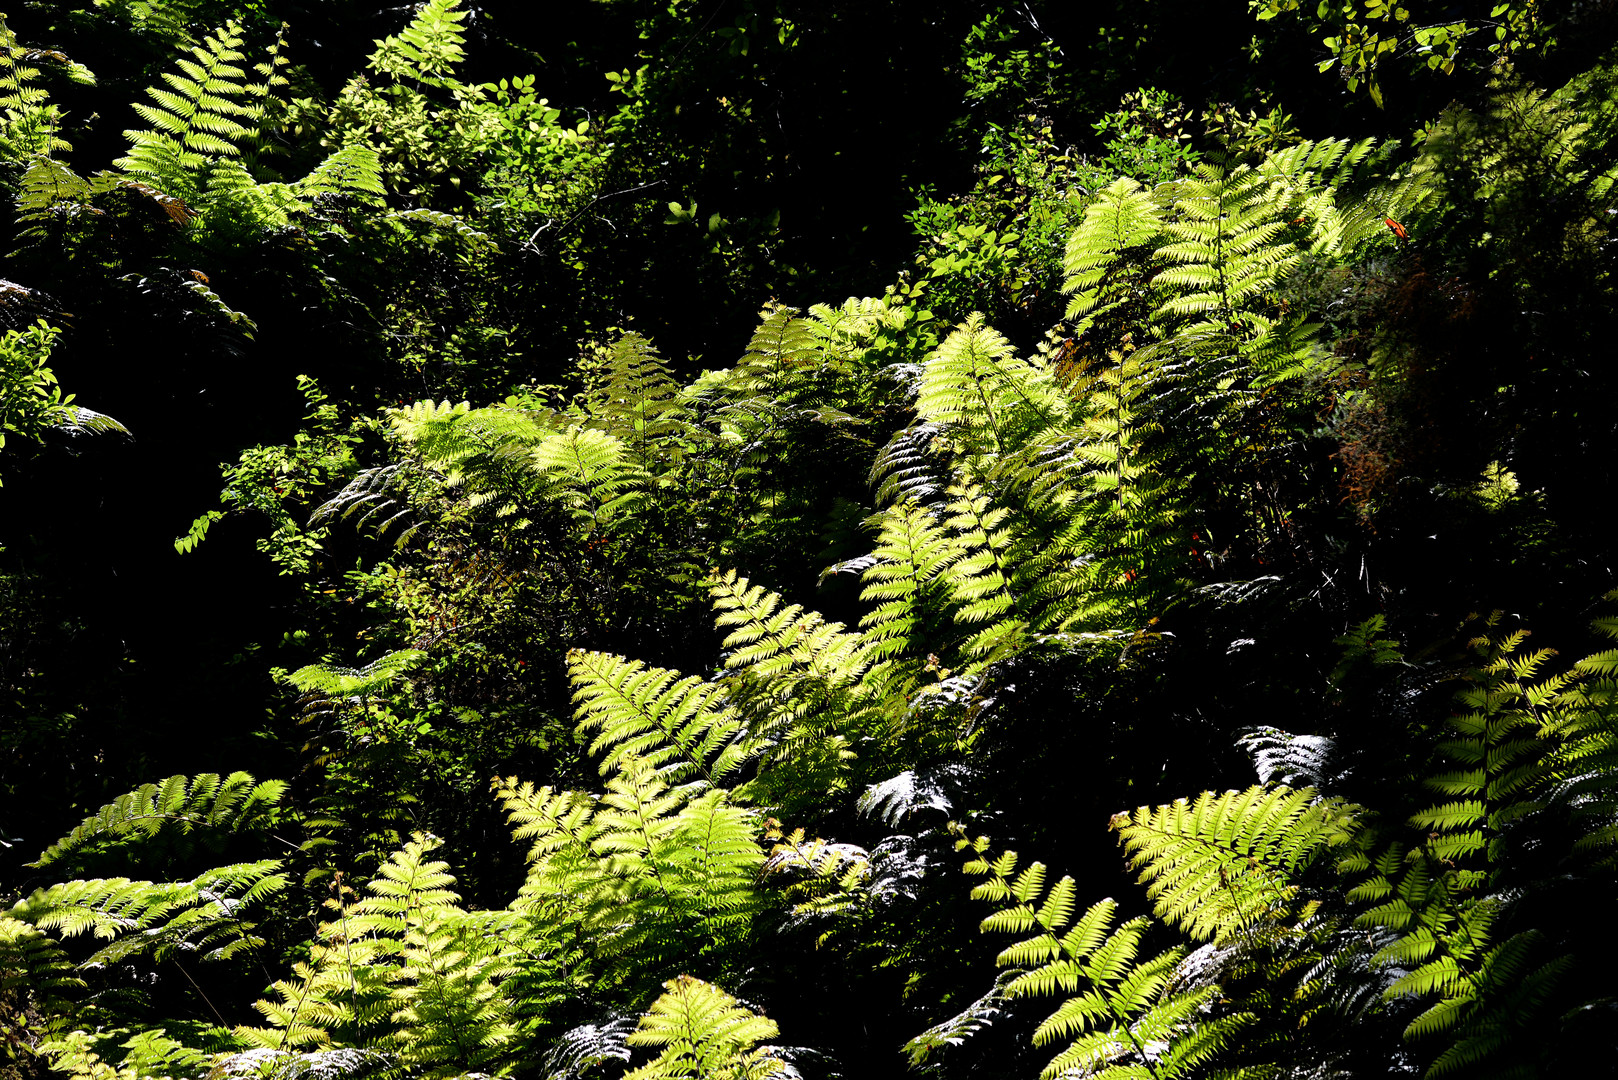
(587,208)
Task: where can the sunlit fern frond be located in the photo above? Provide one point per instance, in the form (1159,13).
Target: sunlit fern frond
(1224,864)
(680,725)
(705,1034)
(1108,255)
(633,394)
(1123,1016)
(982,394)
(178,804)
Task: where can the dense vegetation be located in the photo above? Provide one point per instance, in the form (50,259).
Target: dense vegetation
(717,497)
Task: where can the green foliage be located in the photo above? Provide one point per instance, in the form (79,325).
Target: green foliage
(421,138)
(1220,864)
(1361,36)
(1126,1016)
(203,916)
(405,969)
(31,400)
(647,869)
(206,115)
(182,804)
(29,124)
(1039,530)
(678,726)
(266,479)
(704,1032)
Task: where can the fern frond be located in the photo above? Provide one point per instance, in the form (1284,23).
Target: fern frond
(911,467)
(1222,863)
(207,113)
(679,725)
(588,473)
(783,347)
(705,1034)
(979,391)
(977,1016)
(356,684)
(773,641)
(1123,220)
(206,801)
(903,576)
(634,395)
(352,170)
(32,962)
(796,681)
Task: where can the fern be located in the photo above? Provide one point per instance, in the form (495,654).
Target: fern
(488,452)
(587,473)
(823,879)
(206,916)
(774,642)
(428,49)
(681,726)
(349,170)
(795,682)
(911,467)
(33,964)
(356,684)
(644,868)
(582,1048)
(981,393)
(448,1016)
(1500,755)
(1110,511)
(1126,1017)
(30,125)
(1224,864)
(179,804)
(372,499)
(980,582)
(633,394)
(977,1016)
(1583,770)
(404,969)
(705,1034)
(1100,275)
(206,113)
(905,578)
(783,347)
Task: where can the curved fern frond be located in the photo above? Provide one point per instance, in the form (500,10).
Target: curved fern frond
(1225,245)
(180,803)
(824,879)
(353,170)
(911,468)
(773,641)
(30,125)
(206,916)
(783,347)
(977,1016)
(552,820)
(905,578)
(356,684)
(376,499)
(32,962)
